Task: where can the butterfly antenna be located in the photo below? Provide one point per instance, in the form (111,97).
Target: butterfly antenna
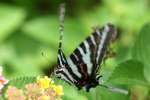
(115,89)
(61,25)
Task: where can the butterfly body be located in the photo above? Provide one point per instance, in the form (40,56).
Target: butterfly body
(81,68)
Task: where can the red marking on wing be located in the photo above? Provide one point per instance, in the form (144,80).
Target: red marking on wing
(84,71)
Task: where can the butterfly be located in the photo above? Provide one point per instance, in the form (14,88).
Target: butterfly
(81,67)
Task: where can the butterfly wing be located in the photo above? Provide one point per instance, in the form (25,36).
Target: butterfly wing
(82,65)
(85,59)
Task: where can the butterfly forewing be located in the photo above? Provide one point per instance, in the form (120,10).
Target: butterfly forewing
(83,59)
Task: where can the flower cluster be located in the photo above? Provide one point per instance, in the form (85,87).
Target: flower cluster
(43,89)
(3,81)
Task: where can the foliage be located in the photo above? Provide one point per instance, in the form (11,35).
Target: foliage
(29,28)
(123,73)
(141,49)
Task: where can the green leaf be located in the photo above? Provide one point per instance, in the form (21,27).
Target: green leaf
(100,93)
(129,72)
(71,93)
(105,94)
(141,49)
(11,18)
(21,81)
(97,93)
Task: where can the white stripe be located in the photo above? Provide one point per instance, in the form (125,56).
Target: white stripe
(73,67)
(62,56)
(93,40)
(63,68)
(60,60)
(59,57)
(67,73)
(86,57)
(64,78)
(104,35)
(98,32)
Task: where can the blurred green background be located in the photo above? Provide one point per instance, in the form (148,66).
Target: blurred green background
(29,28)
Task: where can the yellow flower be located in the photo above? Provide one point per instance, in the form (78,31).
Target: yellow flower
(58,90)
(44,82)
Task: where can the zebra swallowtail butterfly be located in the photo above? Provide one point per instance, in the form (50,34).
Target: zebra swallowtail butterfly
(81,68)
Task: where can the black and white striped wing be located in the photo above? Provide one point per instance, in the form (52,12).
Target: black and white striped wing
(85,60)
(82,65)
